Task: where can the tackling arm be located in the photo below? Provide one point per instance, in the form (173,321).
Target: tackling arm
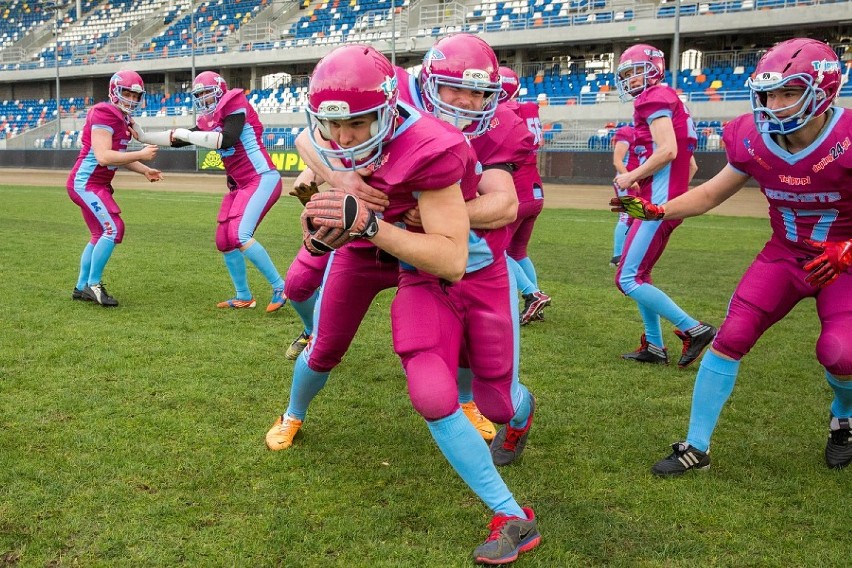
(442,249)
(497,203)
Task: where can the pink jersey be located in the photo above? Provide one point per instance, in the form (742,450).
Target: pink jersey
(484,244)
(672,180)
(248,158)
(809,193)
(527,179)
(86,172)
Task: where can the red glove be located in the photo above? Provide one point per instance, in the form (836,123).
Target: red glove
(637,207)
(836,257)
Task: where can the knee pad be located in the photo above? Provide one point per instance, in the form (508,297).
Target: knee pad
(834,352)
(224,242)
(494,400)
(736,338)
(431,386)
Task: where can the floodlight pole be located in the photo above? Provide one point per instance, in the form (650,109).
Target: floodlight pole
(674,63)
(192,50)
(393,32)
(55,8)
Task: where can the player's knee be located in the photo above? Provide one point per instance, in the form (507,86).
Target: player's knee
(431,387)
(735,340)
(834,352)
(320,358)
(494,400)
(223,242)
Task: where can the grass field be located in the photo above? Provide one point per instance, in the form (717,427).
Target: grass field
(134,436)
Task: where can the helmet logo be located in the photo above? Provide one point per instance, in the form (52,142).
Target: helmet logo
(769,77)
(329,109)
(653,53)
(389,86)
(475,75)
(433,55)
(826,66)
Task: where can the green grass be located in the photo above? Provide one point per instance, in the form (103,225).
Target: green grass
(134,436)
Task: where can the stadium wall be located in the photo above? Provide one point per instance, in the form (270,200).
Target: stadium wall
(587,168)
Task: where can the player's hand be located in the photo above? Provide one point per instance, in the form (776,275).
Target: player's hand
(149,152)
(623,181)
(154,175)
(304,191)
(351,182)
(412,217)
(836,258)
(637,208)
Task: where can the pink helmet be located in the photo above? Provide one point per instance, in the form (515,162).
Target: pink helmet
(123,82)
(802,63)
(461,61)
(510,84)
(208,88)
(351,81)
(640,60)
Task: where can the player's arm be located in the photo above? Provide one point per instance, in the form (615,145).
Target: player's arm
(665,151)
(348,181)
(106,156)
(151,174)
(696,202)
(693,167)
(618,155)
(497,203)
(442,249)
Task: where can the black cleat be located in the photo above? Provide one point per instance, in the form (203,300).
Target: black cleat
(533,305)
(77,294)
(694,343)
(99,294)
(614,261)
(648,353)
(838,449)
(683,458)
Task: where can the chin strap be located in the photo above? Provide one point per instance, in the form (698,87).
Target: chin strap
(212,140)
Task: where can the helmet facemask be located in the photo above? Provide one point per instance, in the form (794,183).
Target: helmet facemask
(777,121)
(646,70)
(206,98)
(473,80)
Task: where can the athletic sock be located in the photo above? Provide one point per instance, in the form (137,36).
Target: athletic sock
(236,264)
(841,406)
(713,386)
(469,455)
(306,385)
(655,299)
(306,311)
(529,269)
(260,258)
(100,256)
(85,266)
(525,285)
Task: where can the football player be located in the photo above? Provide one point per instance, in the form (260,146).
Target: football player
(105,137)
(796,145)
(529,188)
(417,162)
(665,140)
(227,123)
